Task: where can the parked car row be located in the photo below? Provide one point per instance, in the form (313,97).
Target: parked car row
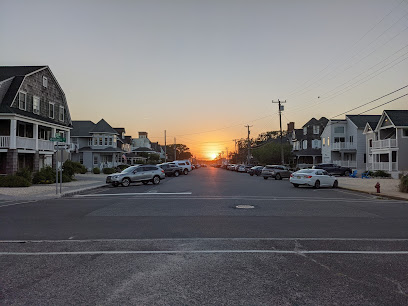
(317,177)
(150,173)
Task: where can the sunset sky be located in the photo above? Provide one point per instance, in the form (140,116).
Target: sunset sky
(202,70)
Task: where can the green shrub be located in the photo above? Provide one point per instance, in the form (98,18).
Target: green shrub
(96,170)
(380,173)
(69,168)
(45,176)
(14,181)
(108,170)
(403,186)
(25,173)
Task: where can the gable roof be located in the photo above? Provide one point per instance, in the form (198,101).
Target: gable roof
(82,128)
(398,117)
(361,120)
(103,127)
(323,121)
(7,72)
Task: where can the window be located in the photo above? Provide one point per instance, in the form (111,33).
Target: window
(81,158)
(339,130)
(95,141)
(22,100)
(106,141)
(61,113)
(405,132)
(51,110)
(110,141)
(328,141)
(370,143)
(304,144)
(45,81)
(100,141)
(95,160)
(305,130)
(316,144)
(324,142)
(316,129)
(36,105)
(89,142)
(351,138)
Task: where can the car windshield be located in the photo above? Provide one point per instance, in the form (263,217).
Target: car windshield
(306,171)
(130,169)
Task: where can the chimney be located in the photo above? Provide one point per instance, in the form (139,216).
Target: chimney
(291,127)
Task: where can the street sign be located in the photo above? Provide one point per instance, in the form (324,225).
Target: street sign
(58,138)
(62,147)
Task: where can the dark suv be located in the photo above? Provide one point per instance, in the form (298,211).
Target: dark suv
(170,169)
(276,171)
(334,169)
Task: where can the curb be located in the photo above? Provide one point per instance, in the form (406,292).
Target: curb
(74,192)
(376,194)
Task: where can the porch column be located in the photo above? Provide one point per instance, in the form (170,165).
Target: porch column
(314,160)
(390,161)
(13,134)
(53,132)
(36,165)
(342,156)
(35,132)
(68,137)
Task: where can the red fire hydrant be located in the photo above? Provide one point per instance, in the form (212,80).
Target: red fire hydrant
(378,187)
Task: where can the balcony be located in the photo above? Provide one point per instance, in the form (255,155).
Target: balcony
(4,141)
(338,146)
(346,163)
(385,144)
(27,143)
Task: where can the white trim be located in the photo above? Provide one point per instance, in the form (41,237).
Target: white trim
(53,110)
(32,120)
(45,81)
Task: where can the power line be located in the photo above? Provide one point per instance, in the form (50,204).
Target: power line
(383,104)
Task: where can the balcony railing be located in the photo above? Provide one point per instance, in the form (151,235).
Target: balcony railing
(25,143)
(385,144)
(4,141)
(343,146)
(345,163)
(45,145)
(386,166)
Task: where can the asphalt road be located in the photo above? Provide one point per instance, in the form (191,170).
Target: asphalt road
(186,241)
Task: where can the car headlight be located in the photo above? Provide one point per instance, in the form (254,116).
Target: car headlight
(116,176)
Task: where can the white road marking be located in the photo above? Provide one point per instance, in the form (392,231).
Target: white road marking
(204,252)
(132,194)
(18,203)
(211,239)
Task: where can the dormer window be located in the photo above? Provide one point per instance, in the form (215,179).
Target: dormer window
(316,129)
(22,100)
(45,81)
(305,130)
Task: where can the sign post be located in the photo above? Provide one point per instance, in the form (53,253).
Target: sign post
(58,147)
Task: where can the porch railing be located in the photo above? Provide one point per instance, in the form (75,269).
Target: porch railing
(345,163)
(344,146)
(4,141)
(25,143)
(386,166)
(385,143)
(45,145)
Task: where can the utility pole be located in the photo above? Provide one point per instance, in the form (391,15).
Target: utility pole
(249,145)
(281,108)
(227,154)
(175,155)
(165,147)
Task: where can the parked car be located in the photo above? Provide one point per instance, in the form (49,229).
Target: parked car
(334,169)
(257,170)
(236,167)
(170,169)
(241,168)
(276,171)
(184,164)
(313,177)
(142,173)
(231,167)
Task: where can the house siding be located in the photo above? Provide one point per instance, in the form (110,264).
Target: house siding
(402,151)
(33,86)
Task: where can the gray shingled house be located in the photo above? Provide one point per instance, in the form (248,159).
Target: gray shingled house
(33,109)
(96,144)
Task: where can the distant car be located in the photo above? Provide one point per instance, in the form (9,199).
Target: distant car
(276,171)
(241,168)
(144,174)
(255,170)
(170,169)
(313,177)
(231,167)
(334,169)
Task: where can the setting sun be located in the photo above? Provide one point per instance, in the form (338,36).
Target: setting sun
(213,155)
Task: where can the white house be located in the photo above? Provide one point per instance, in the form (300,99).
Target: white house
(343,141)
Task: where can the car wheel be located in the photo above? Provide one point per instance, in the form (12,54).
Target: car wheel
(251,174)
(296,185)
(145,182)
(265,177)
(346,173)
(278,177)
(335,184)
(125,182)
(185,171)
(156,180)
(176,173)
(317,184)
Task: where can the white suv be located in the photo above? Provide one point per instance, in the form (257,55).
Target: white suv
(184,164)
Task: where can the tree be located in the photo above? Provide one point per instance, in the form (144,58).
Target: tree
(182,152)
(270,153)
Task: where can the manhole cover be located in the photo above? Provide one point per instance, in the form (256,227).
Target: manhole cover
(244,206)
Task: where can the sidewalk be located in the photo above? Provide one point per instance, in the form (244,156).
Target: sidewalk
(47,191)
(389,187)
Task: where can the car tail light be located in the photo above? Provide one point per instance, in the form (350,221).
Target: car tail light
(162,170)
(291,175)
(308,176)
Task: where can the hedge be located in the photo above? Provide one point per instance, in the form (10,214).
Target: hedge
(96,170)
(108,170)
(14,181)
